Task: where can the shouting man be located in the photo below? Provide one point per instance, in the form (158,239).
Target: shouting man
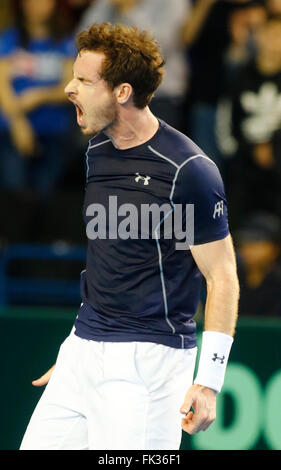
(124,376)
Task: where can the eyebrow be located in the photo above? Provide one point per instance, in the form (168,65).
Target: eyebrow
(81,77)
(85,79)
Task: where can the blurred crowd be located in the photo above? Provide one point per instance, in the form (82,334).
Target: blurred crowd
(222,88)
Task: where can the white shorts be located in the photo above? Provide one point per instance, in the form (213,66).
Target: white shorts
(116,396)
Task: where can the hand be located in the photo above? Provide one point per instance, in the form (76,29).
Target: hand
(23,136)
(203,402)
(44,379)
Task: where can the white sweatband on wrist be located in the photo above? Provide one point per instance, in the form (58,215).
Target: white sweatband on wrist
(214,355)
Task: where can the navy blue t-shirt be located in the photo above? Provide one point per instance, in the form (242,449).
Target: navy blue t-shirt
(141,283)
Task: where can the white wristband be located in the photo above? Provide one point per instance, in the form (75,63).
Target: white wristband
(214,355)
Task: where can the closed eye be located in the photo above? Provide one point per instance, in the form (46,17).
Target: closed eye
(86,81)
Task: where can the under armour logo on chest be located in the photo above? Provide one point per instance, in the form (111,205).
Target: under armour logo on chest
(145,179)
(219,358)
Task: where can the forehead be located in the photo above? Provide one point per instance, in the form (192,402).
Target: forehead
(88,63)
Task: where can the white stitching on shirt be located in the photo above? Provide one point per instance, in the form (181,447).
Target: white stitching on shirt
(179,167)
(97,145)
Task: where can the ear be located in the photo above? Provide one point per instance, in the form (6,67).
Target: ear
(123,93)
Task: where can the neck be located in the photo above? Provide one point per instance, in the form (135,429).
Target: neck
(37,30)
(134,127)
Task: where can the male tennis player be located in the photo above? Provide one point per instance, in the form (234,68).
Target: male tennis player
(124,377)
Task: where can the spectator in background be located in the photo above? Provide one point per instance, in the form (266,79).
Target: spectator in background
(243,24)
(35,64)
(164,18)
(5,14)
(207,37)
(74,10)
(259,246)
(248,120)
(274,7)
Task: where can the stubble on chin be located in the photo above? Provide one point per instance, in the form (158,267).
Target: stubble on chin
(107,119)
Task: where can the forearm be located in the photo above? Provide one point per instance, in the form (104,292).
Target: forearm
(10,106)
(221,309)
(216,260)
(220,320)
(52,94)
(9,102)
(35,97)
(217,263)
(14,106)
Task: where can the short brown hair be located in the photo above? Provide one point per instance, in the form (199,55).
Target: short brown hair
(131,56)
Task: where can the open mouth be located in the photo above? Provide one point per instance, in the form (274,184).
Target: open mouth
(79,114)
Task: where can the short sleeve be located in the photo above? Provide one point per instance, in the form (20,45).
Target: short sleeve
(199,184)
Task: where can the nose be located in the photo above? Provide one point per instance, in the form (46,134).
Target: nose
(71,88)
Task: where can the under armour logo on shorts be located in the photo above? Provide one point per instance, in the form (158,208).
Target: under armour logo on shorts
(142,178)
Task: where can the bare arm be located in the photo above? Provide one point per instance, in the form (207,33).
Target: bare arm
(21,130)
(15,107)
(196,21)
(216,261)
(35,97)
(8,99)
